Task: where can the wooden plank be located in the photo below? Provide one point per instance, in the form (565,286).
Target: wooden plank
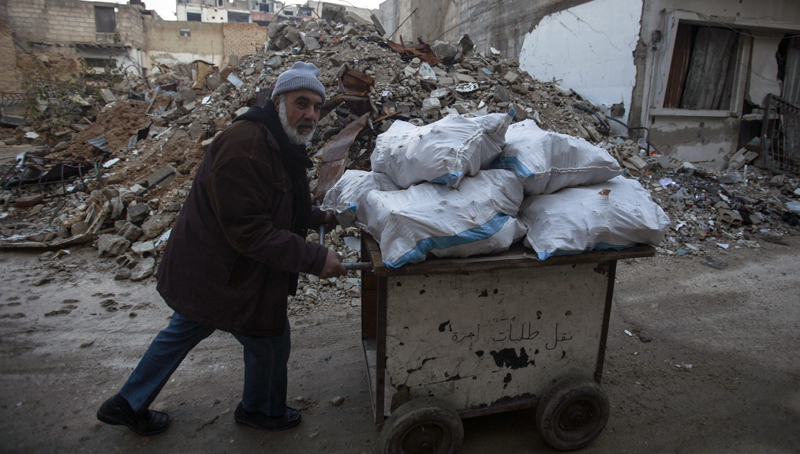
(516,257)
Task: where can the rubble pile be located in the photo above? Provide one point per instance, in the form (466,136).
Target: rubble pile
(130,162)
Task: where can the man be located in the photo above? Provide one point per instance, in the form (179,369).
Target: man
(234,255)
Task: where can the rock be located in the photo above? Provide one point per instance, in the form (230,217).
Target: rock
(511,77)
(172,207)
(111,245)
(444,50)
(311,44)
(143,269)
(501,94)
(122,274)
(137,213)
(213,82)
(28,201)
(188,95)
(107,96)
(144,248)
(274,62)
(156,224)
(464,78)
(162,176)
(338,400)
(79,228)
(431,107)
(130,231)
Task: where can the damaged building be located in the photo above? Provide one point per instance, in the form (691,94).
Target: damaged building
(124,156)
(701,81)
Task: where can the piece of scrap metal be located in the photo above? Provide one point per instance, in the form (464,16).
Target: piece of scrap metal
(354,82)
(335,154)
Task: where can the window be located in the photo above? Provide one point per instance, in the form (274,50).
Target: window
(703,69)
(185,32)
(194,17)
(104,20)
(101,63)
(238,17)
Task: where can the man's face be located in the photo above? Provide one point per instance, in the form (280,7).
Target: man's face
(299,111)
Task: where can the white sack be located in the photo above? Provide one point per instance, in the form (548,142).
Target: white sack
(343,198)
(477,218)
(582,218)
(442,152)
(547,161)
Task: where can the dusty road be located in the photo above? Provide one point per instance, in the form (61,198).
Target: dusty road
(720,375)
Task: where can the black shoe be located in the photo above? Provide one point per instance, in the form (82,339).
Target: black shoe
(271,423)
(117,411)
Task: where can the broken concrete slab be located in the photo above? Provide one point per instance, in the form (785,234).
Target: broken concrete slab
(143,269)
(109,245)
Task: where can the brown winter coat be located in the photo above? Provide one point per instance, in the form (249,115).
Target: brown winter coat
(231,260)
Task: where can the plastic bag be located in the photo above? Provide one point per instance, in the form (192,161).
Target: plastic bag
(343,198)
(443,152)
(547,161)
(613,215)
(477,218)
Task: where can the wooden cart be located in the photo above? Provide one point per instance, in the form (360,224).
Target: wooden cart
(448,339)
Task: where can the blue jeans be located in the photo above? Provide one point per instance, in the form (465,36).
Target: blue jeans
(265,366)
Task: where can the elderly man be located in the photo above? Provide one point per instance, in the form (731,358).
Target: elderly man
(234,255)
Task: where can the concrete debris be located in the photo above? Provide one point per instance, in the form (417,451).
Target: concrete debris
(55,190)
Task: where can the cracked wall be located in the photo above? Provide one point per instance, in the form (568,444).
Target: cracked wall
(588,48)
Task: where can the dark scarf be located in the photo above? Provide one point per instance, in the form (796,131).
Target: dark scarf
(295,159)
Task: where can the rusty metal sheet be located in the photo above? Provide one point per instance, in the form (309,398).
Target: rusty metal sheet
(359,105)
(354,82)
(334,156)
(407,53)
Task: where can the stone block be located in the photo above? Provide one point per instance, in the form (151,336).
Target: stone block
(143,269)
(162,176)
(156,224)
(137,213)
(112,245)
(130,232)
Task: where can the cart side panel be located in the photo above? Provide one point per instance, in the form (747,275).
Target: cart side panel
(493,337)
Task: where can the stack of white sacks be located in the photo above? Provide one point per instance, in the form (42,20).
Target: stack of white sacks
(467,186)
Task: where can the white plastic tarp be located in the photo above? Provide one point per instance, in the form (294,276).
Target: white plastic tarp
(343,198)
(442,152)
(547,161)
(477,218)
(613,215)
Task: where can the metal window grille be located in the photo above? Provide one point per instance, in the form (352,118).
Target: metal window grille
(780,136)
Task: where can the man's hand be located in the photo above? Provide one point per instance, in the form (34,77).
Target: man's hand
(333,266)
(330,222)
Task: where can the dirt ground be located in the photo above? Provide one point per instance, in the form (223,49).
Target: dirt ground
(720,375)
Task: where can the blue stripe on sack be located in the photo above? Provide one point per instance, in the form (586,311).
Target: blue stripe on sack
(513,164)
(443,242)
(352,207)
(448,179)
(596,247)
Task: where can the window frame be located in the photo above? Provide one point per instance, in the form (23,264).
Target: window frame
(100,21)
(741,67)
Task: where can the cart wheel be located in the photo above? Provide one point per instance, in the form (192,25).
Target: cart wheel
(572,413)
(423,425)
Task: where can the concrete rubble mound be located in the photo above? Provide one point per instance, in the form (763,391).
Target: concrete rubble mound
(114,168)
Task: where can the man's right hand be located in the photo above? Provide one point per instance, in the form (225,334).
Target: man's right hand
(333,266)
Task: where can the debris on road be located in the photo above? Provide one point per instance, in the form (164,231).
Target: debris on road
(114,164)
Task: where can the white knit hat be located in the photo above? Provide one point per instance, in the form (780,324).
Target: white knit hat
(301,76)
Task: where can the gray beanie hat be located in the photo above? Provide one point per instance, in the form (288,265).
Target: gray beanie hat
(301,76)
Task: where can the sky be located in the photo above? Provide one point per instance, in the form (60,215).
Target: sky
(166,8)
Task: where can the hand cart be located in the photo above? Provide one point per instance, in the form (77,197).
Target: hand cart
(447,339)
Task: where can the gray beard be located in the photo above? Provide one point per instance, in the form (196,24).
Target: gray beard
(294,135)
